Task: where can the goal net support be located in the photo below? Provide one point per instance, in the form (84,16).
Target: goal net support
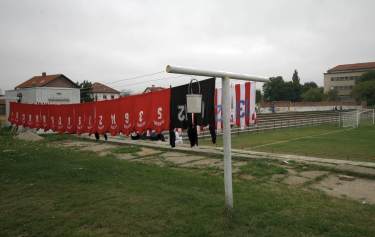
(356,117)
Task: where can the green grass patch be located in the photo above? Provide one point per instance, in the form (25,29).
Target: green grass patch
(49,191)
(322,141)
(262,168)
(126,149)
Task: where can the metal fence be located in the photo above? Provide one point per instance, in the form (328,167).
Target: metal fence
(283,120)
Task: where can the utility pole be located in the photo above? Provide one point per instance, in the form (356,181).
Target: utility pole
(226,100)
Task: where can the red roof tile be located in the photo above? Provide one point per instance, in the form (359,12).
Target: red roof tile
(355,66)
(101,88)
(40,81)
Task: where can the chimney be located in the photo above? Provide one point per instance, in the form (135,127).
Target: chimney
(44,74)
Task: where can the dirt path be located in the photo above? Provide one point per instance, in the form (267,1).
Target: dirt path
(298,175)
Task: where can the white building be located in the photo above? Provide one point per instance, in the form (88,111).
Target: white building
(100,92)
(44,89)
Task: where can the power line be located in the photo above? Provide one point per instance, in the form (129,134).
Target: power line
(135,77)
(164,78)
(156,79)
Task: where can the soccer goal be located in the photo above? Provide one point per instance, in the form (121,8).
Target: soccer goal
(355,118)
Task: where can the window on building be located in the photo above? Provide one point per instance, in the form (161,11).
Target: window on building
(104,97)
(112,97)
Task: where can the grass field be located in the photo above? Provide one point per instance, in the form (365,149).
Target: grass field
(321,141)
(49,191)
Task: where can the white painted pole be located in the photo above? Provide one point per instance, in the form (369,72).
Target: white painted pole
(373,116)
(227,143)
(226,101)
(209,73)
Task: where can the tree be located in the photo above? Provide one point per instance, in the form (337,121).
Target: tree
(296,88)
(258,96)
(332,95)
(85,87)
(313,94)
(364,90)
(275,89)
(367,76)
(295,77)
(308,85)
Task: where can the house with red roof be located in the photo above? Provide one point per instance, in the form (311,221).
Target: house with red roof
(45,89)
(100,92)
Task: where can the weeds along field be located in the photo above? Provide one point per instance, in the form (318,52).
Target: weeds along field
(47,189)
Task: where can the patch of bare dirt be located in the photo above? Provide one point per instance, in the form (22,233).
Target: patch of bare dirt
(359,189)
(212,163)
(71,143)
(295,180)
(147,152)
(29,136)
(98,147)
(278,177)
(246,177)
(173,154)
(178,160)
(125,156)
(313,174)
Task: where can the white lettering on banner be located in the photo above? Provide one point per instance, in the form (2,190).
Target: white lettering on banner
(160,113)
(113,118)
(44,119)
(69,125)
(181,112)
(89,126)
(59,121)
(30,118)
(141,123)
(160,120)
(37,118)
(100,124)
(126,121)
(140,116)
(52,120)
(113,121)
(79,125)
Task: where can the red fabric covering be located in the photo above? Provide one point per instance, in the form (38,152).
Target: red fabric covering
(142,112)
(102,116)
(126,115)
(29,116)
(37,116)
(44,113)
(114,116)
(52,122)
(70,118)
(160,110)
(80,118)
(137,113)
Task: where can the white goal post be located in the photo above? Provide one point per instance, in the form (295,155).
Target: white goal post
(355,118)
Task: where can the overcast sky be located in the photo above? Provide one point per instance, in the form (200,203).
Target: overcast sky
(108,41)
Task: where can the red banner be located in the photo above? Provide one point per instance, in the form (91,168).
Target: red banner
(126,114)
(138,113)
(160,110)
(45,117)
(142,112)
